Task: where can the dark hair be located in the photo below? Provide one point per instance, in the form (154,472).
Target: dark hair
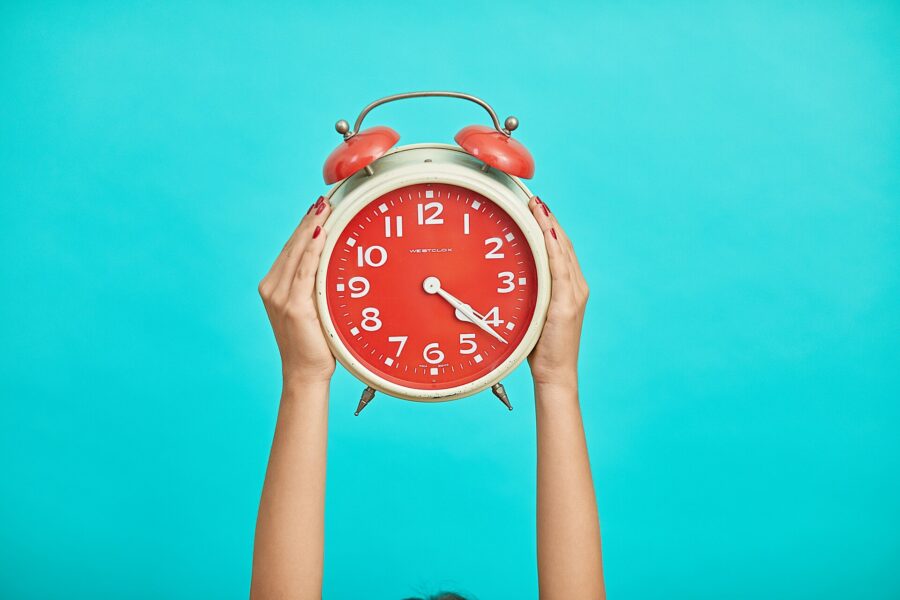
(440,596)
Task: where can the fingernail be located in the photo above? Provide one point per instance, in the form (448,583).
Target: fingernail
(320,209)
(320,201)
(552,232)
(538,199)
(311,207)
(318,230)
(546,210)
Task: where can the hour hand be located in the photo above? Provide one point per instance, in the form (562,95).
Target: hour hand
(432,285)
(459,314)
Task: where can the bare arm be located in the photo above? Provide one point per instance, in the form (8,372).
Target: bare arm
(288,550)
(568,529)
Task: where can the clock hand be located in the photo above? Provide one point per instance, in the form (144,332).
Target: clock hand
(465,319)
(472,316)
(432,285)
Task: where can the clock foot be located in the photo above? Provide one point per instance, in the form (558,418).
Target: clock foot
(367,396)
(500,392)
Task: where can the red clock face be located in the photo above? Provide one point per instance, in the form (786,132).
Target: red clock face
(431,286)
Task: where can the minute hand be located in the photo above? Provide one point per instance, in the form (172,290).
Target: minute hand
(469,313)
(432,285)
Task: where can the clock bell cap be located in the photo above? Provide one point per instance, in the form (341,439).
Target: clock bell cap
(497,150)
(358,152)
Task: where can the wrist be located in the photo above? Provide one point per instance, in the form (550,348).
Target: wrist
(301,375)
(555,378)
(557,391)
(565,387)
(297,388)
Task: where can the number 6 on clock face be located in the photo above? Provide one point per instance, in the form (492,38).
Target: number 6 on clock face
(432,290)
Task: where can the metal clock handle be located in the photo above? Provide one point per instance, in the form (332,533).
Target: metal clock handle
(511,123)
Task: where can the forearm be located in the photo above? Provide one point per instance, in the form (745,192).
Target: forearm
(288,549)
(568,529)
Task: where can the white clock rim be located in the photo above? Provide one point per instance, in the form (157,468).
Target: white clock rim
(394,176)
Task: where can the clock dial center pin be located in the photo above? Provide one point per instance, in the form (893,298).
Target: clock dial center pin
(431,285)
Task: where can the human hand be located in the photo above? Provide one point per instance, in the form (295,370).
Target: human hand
(555,358)
(288,293)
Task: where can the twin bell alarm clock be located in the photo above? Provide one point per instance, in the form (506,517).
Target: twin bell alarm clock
(434,281)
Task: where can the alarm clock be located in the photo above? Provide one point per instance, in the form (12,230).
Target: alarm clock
(434,280)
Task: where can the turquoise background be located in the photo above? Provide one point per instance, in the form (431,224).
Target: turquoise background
(730,173)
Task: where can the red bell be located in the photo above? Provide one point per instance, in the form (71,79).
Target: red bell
(497,150)
(358,152)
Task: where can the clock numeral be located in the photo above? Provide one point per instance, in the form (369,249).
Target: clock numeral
(398,226)
(432,354)
(467,339)
(359,287)
(370,321)
(495,252)
(399,339)
(366,256)
(492,317)
(434,217)
(508,278)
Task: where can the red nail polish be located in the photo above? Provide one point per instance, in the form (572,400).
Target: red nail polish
(552,232)
(319,230)
(546,210)
(320,201)
(320,209)
(538,200)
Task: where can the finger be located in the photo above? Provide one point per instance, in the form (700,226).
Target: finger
(313,218)
(305,275)
(560,272)
(552,236)
(543,213)
(275,270)
(554,222)
(569,249)
(313,242)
